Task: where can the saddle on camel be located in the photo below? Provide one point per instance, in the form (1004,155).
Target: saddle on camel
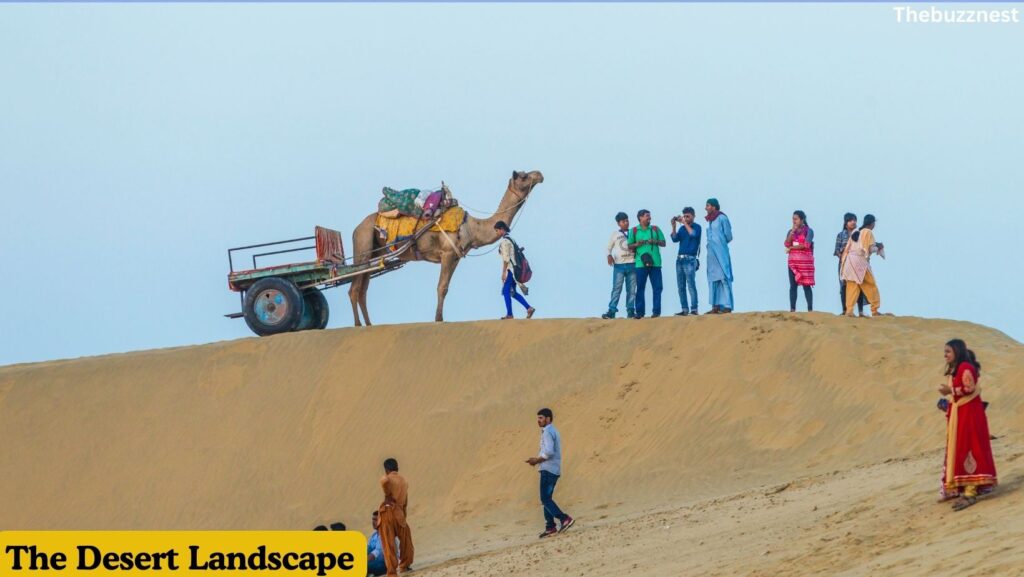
(403,213)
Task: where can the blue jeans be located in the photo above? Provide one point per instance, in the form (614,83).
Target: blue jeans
(642,274)
(547,491)
(376,567)
(623,274)
(508,290)
(686,278)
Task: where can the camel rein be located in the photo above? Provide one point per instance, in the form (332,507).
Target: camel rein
(480,213)
(511,225)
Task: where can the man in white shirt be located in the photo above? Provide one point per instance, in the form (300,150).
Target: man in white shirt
(549,463)
(623,262)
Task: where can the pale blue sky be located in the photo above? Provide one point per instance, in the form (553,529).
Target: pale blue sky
(139,142)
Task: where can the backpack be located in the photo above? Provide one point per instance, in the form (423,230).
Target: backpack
(521,270)
(646,258)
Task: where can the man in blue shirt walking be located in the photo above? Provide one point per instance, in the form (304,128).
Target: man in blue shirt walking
(687,262)
(549,463)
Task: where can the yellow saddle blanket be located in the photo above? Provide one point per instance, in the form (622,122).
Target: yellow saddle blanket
(394,228)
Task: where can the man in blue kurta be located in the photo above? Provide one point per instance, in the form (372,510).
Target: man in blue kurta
(719,234)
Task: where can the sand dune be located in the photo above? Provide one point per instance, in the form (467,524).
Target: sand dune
(869,521)
(694,419)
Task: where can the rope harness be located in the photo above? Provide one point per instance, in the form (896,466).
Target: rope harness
(511,225)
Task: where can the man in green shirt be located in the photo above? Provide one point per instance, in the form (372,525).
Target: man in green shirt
(647,241)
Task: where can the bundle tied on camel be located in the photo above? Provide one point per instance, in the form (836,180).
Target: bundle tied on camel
(403,213)
(425,204)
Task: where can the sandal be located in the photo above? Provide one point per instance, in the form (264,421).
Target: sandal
(505,318)
(529,312)
(964,502)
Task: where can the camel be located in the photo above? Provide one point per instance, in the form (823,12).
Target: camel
(433,247)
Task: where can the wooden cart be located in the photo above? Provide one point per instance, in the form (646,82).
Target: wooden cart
(283,298)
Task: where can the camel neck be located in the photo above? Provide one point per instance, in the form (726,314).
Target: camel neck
(509,206)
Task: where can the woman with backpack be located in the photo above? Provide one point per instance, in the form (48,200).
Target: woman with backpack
(507,250)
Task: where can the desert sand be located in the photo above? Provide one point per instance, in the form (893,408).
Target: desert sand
(745,444)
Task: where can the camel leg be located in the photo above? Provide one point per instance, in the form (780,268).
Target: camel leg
(354,291)
(362,298)
(449,261)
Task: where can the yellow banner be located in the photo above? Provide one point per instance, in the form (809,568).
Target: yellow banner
(182,553)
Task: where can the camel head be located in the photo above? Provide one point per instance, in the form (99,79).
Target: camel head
(523,182)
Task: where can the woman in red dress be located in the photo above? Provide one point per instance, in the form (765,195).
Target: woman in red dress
(969,468)
(800,248)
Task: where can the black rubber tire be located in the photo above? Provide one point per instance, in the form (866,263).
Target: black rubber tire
(316,312)
(280,316)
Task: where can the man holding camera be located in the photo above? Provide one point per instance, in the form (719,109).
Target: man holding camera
(646,241)
(686,262)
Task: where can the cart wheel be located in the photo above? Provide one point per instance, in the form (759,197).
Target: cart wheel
(315,312)
(273,305)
